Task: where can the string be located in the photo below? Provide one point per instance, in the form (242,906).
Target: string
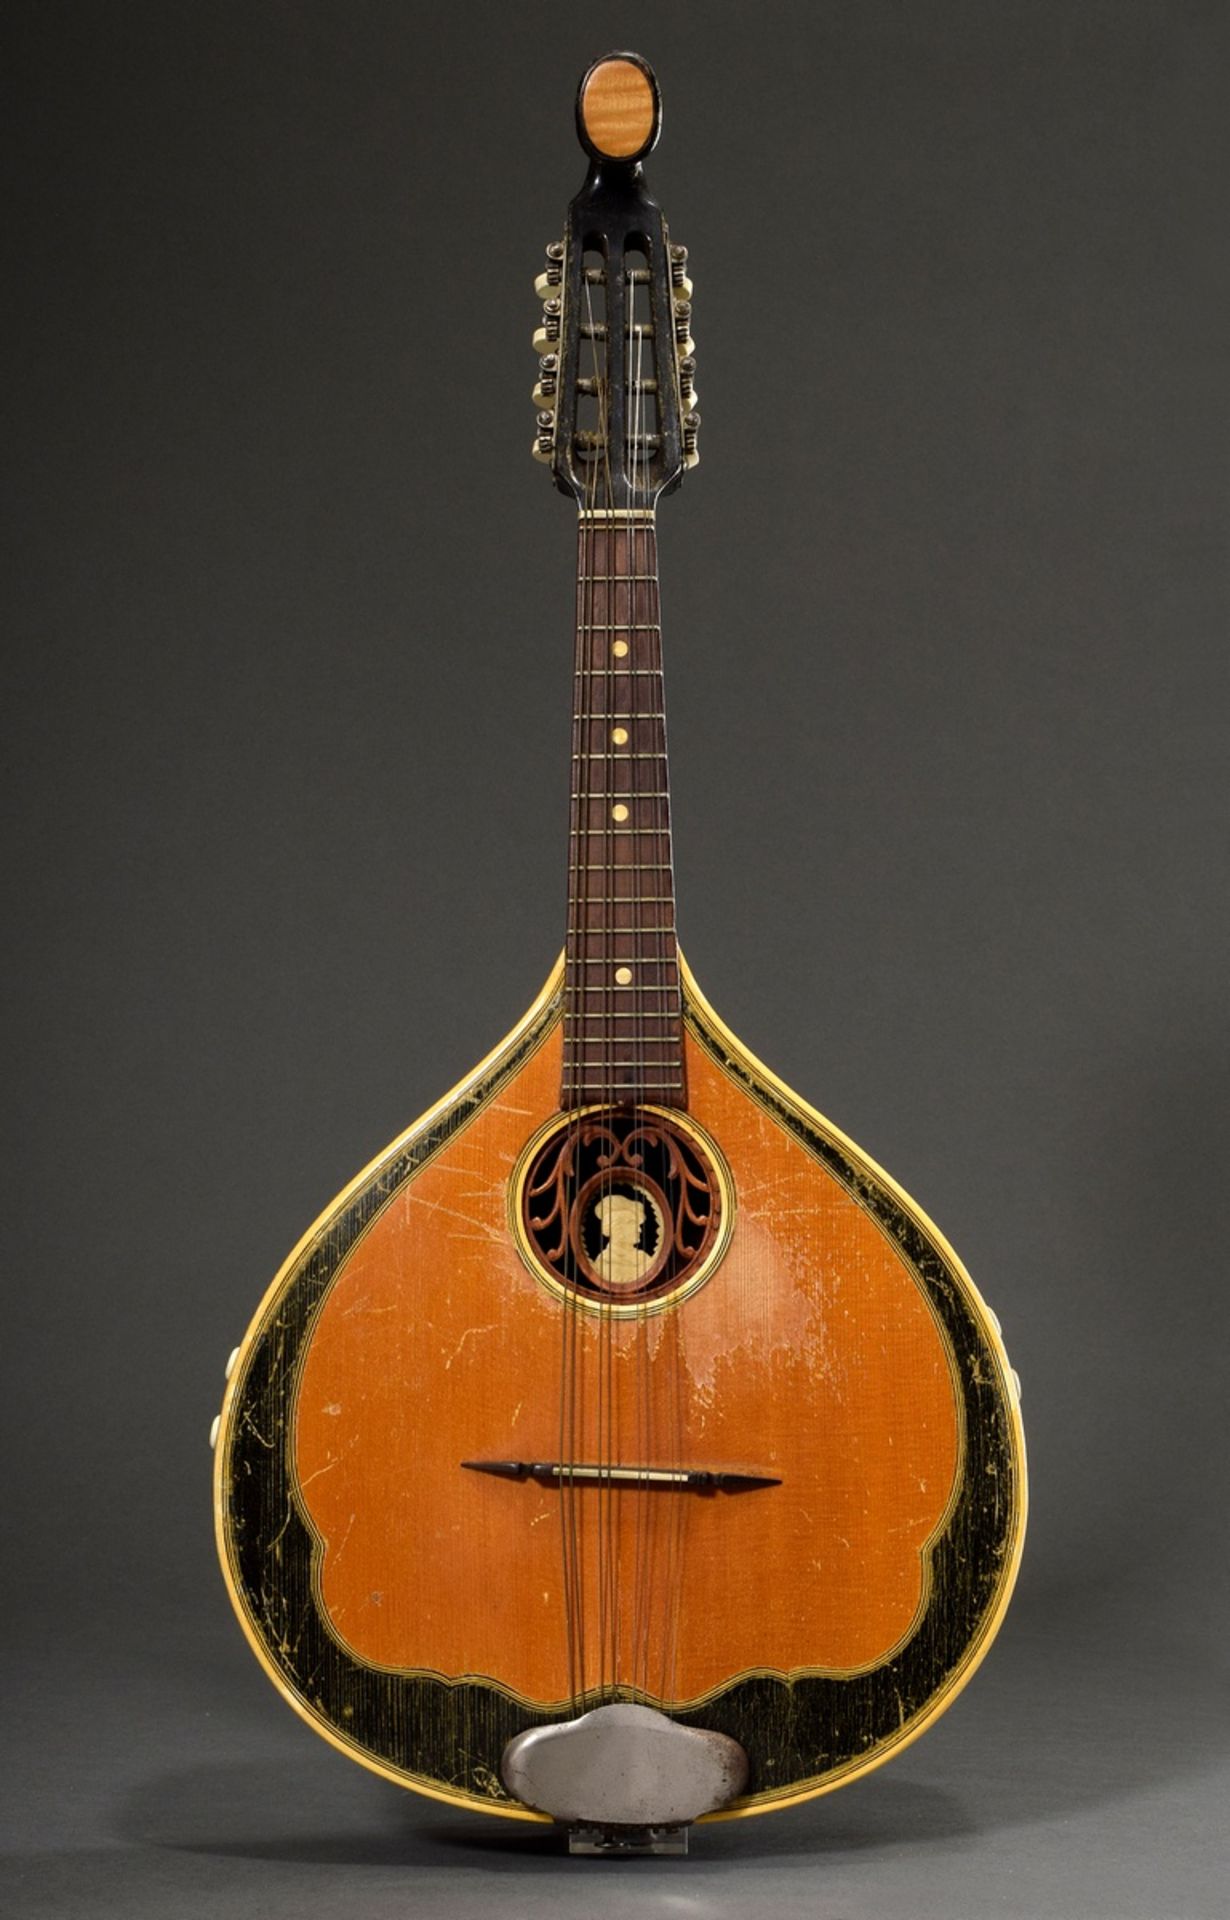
(575,1007)
(637,473)
(674,1515)
(635,708)
(615,311)
(571,1398)
(601,467)
(600,358)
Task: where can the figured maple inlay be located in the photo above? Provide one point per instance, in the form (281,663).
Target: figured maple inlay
(809,1354)
(617,108)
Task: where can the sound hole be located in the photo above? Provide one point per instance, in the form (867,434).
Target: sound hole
(620,1205)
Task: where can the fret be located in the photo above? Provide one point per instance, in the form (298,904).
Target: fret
(623,960)
(622,1041)
(639,985)
(596,1089)
(597,754)
(621,579)
(658,1073)
(636,517)
(604,793)
(641,1061)
(627,1066)
(629,1039)
(645,1013)
(619,626)
(618,673)
(652,986)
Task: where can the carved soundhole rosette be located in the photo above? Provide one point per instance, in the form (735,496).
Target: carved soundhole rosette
(622,1209)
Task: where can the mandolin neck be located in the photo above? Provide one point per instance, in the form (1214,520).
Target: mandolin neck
(623,1041)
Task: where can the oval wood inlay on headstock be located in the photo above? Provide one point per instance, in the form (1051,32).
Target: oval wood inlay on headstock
(617,107)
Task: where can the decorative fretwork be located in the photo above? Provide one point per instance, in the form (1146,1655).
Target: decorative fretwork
(621,1205)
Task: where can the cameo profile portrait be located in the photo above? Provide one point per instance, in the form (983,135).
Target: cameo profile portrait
(620,1206)
(628,1235)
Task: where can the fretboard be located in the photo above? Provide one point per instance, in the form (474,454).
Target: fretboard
(623,1038)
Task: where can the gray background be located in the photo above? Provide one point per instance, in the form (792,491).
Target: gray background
(287,678)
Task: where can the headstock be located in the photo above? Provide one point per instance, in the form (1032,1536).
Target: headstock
(616,399)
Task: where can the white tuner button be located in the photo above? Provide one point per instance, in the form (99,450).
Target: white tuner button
(230,1362)
(993,1317)
(213,1431)
(1015,1378)
(550,281)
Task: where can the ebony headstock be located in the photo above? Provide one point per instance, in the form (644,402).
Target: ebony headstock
(617,418)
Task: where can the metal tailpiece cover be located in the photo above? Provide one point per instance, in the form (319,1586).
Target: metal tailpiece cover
(624,1766)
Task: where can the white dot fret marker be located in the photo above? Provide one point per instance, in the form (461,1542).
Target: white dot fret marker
(623,976)
(619,648)
(620,736)
(619,811)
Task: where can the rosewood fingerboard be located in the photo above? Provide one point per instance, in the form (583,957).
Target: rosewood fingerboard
(623,1035)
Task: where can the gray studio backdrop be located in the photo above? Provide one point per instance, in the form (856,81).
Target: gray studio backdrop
(287,690)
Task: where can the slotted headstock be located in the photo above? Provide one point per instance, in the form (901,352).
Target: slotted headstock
(617,420)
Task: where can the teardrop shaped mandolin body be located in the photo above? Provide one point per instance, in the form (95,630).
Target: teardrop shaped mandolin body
(416,1611)
(622,1379)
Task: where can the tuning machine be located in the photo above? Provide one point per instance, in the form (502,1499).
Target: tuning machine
(681,302)
(544,437)
(682,318)
(549,286)
(546,337)
(551,280)
(685,352)
(546,387)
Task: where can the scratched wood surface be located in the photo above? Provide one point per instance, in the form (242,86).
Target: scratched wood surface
(809,1354)
(415,1613)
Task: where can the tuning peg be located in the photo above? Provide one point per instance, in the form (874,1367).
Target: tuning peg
(544,440)
(552,279)
(679,279)
(691,429)
(546,337)
(684,344)
(687,383)
(546,387)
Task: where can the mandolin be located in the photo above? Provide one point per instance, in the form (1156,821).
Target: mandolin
(622,1447)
